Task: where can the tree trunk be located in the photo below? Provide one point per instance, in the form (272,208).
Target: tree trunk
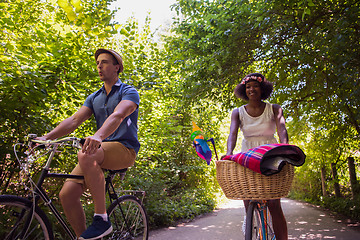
(323,177)
(353,180)
(336,180)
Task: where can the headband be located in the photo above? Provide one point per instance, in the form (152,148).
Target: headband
(255,78)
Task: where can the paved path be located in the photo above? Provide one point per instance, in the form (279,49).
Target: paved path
(304,222)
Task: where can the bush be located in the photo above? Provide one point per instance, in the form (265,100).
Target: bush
(346,207)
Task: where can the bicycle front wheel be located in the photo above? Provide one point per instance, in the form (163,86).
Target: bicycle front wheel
(128,218)
(253,222)
(15,213)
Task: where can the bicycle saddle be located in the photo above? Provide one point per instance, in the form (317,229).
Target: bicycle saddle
(120,171)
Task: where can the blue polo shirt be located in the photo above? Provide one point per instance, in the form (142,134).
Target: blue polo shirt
(103,106)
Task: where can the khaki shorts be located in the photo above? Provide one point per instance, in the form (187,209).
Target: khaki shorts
(116,156)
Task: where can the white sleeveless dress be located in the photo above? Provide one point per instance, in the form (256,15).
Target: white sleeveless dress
(257,130)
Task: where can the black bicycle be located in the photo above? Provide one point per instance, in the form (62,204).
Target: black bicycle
(23,218)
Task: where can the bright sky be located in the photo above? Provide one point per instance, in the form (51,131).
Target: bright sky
(160,12)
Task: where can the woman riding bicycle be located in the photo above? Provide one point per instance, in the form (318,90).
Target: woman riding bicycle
(258,122)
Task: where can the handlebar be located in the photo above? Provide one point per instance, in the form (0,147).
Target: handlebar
(27,153)
(76,142)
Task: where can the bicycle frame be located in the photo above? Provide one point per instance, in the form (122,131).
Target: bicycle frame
(39,192)
(263,217)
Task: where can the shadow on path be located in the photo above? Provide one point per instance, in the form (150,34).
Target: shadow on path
(304,222)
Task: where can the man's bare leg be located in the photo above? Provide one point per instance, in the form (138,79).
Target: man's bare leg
(70,195)
(94,178)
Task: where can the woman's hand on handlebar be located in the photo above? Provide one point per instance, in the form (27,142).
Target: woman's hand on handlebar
(227,154)
(222,157)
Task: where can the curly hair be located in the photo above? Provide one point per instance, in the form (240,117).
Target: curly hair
(266,86)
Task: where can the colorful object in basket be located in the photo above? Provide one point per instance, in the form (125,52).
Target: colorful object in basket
(269,159)
(200,144)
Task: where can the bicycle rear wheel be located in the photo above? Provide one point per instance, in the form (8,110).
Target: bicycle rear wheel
(253,222)
(14,212)
(128,218)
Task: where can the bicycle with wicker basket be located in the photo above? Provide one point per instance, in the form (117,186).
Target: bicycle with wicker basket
(241,183)
(23,217)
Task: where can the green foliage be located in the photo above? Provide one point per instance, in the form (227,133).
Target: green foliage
(173,196)
(175,179)
(345,207)
(44,56)
(349,207)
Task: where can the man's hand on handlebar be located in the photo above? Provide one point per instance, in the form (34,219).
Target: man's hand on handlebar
(33,144)
(91,145)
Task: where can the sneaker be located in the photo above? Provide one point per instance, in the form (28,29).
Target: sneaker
(98,229)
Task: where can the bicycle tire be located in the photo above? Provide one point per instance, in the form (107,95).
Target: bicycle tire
(253,222)
(14,211)
(128,218)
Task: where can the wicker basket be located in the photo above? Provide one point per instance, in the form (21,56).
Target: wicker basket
(239,182)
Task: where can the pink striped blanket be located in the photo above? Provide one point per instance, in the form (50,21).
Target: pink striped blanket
(269,159)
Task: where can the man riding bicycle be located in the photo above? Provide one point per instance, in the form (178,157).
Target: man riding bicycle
(115,108)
